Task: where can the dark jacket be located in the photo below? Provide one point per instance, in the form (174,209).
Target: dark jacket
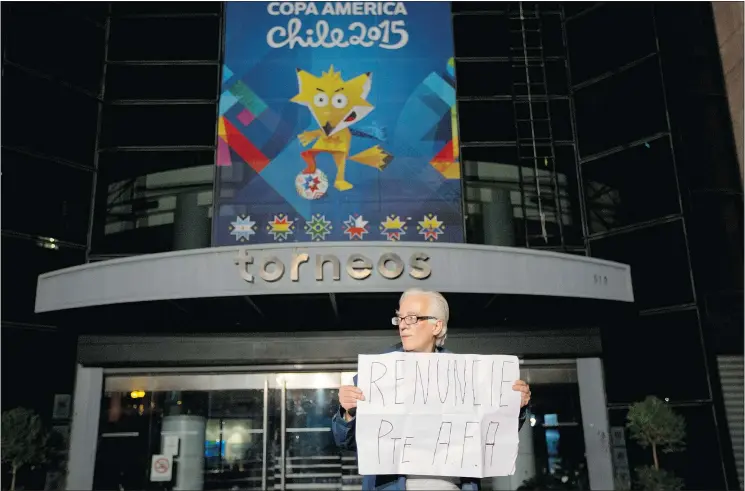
(344,437)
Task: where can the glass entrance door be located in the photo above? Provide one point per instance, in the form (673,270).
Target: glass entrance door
(271,431)
(235,432)
(307,457)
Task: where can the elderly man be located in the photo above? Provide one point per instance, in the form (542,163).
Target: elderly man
(422,320)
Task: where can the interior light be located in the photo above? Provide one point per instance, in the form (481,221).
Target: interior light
(532,420)
(47,242)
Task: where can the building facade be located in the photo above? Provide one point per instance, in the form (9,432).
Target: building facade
(597,154)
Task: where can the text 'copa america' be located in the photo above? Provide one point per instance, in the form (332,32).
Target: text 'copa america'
(386,34)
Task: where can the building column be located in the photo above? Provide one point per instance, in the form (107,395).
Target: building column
(84,432)
(499,225)
(191,225)
(595,423)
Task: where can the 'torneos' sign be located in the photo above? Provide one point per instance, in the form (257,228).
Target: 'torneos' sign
(389,265)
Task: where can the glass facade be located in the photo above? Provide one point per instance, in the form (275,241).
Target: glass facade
(587,128)
(272,431)
(156,151)
(245,428)
(636,104)
(51,74)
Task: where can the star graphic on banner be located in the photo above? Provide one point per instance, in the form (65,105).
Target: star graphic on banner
(356,227)
(318,227)
(311,183)
(431,227)
(243,228)
(393,227)
(281,227)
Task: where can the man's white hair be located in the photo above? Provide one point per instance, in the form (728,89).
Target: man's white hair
(437,307)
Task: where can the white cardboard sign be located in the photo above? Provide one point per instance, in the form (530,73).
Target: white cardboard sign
(437,414)
(161,468)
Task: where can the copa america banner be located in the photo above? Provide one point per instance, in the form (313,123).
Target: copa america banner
(337,122)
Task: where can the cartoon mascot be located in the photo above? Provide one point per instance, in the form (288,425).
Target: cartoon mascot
(336,105)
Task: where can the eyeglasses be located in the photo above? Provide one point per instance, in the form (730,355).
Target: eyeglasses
(410,320)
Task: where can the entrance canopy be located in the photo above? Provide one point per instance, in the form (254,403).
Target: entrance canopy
(288,269)
(280,291)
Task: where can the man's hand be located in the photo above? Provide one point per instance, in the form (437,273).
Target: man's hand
(308,136)
(524,389)
(348,397)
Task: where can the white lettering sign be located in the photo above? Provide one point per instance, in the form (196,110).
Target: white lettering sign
(357,266)
(437,415)
(386,34)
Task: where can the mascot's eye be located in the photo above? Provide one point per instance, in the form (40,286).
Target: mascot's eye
(339,101)
(321,100)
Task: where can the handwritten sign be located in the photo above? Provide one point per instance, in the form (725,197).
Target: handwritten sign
(437,415)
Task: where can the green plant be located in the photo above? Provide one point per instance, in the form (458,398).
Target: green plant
(652,423)
(23,440)
(658,479)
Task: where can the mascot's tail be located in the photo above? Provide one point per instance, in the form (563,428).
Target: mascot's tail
(374,157)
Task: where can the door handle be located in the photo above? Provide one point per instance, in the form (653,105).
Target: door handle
(265,466)
(283,435)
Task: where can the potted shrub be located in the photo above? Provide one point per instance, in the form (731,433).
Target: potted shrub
(23,440)
(653,424)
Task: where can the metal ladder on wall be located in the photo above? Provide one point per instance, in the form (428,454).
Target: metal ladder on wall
(535,142)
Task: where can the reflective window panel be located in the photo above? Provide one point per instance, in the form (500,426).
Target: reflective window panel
(273,431)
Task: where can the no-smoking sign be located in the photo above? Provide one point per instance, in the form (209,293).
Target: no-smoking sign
(161,465)
(161,468)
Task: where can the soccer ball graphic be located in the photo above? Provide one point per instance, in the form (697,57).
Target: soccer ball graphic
(312,186)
